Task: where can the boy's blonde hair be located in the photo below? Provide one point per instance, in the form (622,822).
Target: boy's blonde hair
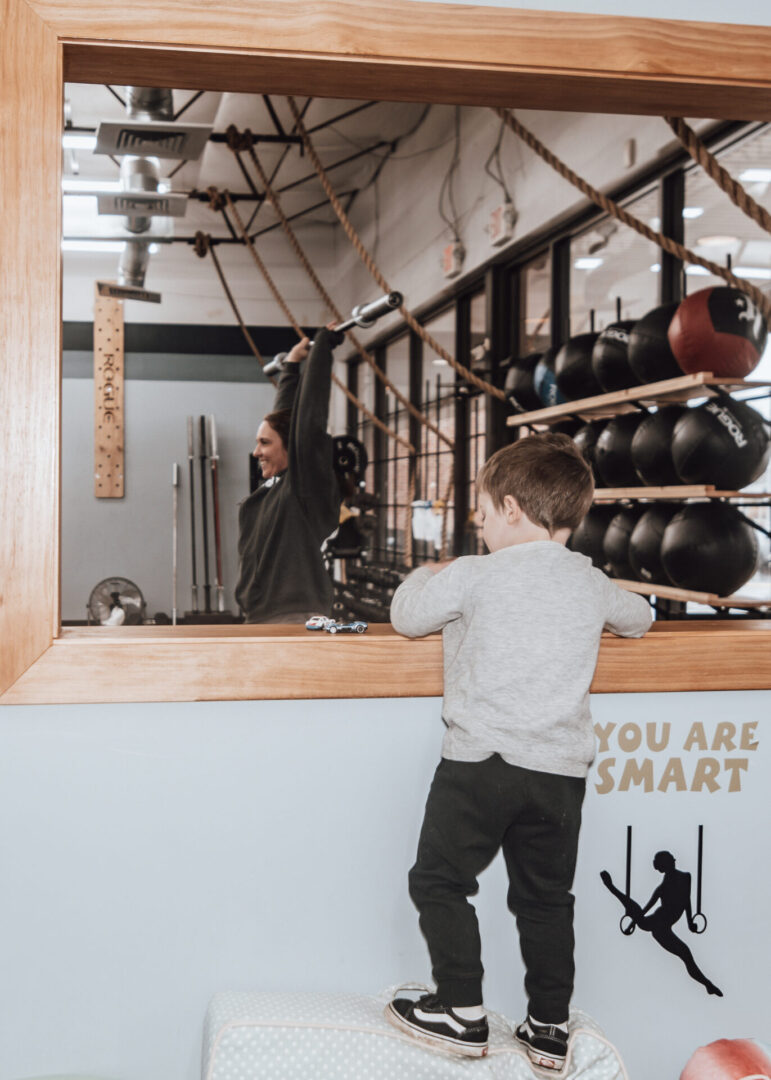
(548,477)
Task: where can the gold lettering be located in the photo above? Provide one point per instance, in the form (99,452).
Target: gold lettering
(603,771)
(637,774)
(735,766)
(673,774)
(650,735)
(705,772)
(748,732)
(603,734)
(696,737)
(629,737)
(724,736)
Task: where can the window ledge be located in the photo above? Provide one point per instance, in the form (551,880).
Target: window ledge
(204,663)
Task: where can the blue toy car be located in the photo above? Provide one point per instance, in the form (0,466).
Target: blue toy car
(358,626)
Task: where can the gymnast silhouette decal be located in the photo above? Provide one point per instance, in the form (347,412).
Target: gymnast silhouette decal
(673,897)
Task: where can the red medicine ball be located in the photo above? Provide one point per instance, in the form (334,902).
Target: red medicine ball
(718,330)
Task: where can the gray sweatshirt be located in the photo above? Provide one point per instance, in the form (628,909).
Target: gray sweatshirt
(521,632)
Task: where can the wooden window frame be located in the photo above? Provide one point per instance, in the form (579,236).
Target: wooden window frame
(405,50)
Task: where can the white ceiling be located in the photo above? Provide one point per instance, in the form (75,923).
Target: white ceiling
(380,123)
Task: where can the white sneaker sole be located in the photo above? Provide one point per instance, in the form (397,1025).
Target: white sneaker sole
(436,1042)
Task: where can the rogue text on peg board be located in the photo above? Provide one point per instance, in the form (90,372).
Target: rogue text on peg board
(108,398)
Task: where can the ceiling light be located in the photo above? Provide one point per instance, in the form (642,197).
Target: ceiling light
(692,211)
(587,264)
(697,271)
(164,187)
(154,249)
(718,240)
(76,187)
(656,268)
(439,362)
(761,272)
(759,176)
(102,247)
(72,141)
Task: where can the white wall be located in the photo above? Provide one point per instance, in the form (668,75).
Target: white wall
(155,854)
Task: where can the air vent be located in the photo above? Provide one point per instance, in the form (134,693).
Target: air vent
(184,142)
(141,204)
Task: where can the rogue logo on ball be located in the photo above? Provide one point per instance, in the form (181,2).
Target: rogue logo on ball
(729,422)
(748,312)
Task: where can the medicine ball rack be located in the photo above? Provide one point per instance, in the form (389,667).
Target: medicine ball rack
(701,384)
(666,392)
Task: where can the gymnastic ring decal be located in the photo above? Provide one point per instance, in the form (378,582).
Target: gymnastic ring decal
(699,927)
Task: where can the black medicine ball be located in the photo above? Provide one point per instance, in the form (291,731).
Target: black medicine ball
(652,446)
(610,357)
(613,452)
(520,391)
(545,382)
(650,355)
(615,544)
(588,537)
(645,543)
(573,368)
(721,442)
(586,439)
(709,547)
(569,427)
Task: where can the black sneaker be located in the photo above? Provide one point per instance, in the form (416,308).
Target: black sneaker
(546,1044)
(428,1020)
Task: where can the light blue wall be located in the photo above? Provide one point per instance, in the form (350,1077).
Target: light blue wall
(754,12)
(154,854)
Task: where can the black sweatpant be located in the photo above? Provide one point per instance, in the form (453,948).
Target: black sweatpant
(473,809)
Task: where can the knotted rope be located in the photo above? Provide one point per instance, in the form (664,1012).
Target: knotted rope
(366,258)
(762,301)
(224,201)
(203,247)
(712,167)
(236,142)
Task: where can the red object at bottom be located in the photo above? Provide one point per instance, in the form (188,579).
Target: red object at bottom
(728,1059)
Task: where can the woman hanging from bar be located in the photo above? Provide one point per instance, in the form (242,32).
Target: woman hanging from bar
(284,523)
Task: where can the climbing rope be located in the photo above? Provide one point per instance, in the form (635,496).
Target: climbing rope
(299,330)
(219,201)
(203,247)
(709,163)
(366,258)
(237,142)
(762,301)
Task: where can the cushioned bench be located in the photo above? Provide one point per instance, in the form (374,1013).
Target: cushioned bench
(291,1036)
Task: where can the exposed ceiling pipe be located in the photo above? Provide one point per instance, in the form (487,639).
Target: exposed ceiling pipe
(141,174)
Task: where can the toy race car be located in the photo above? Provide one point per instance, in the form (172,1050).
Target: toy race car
(358,626)
(318,622)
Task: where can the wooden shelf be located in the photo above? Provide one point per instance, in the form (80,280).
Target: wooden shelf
(684,491)
(670,592)
(668,392)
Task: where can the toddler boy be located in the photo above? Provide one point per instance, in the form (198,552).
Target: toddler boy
(521,632)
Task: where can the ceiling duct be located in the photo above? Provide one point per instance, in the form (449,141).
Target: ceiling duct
(141,174)
(149,103)
(133,263)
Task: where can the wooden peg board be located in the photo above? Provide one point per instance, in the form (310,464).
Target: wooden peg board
(108,398)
